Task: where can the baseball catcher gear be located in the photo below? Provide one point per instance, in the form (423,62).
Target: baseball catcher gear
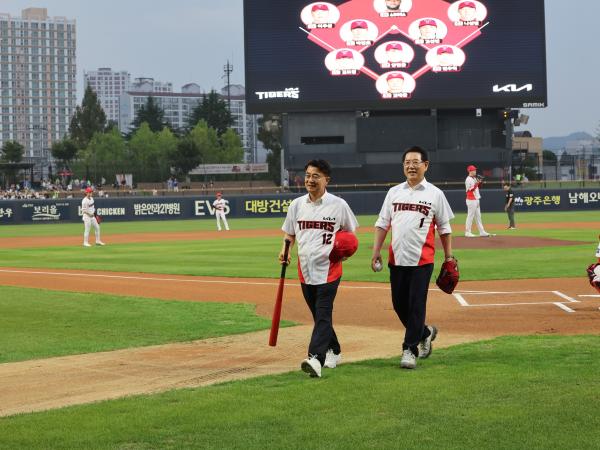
(593,272)
(449,275)
(344,246)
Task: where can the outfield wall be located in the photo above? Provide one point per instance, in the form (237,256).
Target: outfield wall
(273,205)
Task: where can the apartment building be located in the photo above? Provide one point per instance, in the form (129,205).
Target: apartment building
(108,86)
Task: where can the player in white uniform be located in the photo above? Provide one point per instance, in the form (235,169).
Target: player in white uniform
(219,205)
(89,220)
(413,210)
(472,184)
(312,221)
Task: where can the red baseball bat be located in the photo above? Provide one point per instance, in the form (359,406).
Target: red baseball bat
(279,298)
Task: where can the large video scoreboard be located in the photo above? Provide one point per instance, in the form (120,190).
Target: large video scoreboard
(394,54)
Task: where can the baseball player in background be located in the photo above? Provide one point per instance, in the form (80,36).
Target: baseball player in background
(412,211)
(219,205)
(88,213)
(312,221)
(472,184)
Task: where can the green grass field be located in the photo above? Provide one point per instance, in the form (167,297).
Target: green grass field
(36,323)
(530,392)
(256,257)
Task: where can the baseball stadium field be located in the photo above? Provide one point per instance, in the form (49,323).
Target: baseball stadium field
(159,340)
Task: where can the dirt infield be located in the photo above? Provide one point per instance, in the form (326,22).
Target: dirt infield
(366,324)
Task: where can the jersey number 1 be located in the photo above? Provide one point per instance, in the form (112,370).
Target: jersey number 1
(327,238)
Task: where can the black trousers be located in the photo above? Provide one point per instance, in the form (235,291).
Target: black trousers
(511,216)
(410,286)
(319,299)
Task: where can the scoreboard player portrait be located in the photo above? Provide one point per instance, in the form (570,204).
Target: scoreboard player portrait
(320,15)
(394,54)
(467,12)
(344,61)
(446,58)
(396,84)
(392,6)
(360,31)
(428,29)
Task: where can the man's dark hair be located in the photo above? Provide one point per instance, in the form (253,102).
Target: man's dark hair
(320,164)
(416,149)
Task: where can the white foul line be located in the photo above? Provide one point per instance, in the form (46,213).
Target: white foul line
(460,299)
(564,307)
(588,295)
(566,297)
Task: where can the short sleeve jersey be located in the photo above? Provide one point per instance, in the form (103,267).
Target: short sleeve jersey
(472,188)
(413,214)
(509,196)
(314,225)
(219,204)
(87,206)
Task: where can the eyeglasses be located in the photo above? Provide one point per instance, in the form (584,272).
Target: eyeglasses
(412,163)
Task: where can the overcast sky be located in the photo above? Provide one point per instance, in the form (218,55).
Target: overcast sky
(191,40)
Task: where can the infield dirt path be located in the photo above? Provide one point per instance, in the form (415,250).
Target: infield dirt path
(365,322)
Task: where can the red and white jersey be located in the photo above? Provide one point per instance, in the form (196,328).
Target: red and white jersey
(87,207)
(314,224)
(413,215)
(472,188)
(219,204)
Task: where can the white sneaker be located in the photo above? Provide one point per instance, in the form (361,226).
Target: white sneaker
(85,244)
(425,344)
(409,360)
(469,234)
(100,243)
(331,359)
(312,366)
(484,234)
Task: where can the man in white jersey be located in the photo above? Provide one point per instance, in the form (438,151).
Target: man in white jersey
(219,205)
(312,221)
(88,211)
(472,184)
(412,211)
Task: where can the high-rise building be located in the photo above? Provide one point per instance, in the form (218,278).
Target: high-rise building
(108,86)
(37,81)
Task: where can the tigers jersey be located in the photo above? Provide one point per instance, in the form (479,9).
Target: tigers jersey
(314,225)
(412,214)
(87,207)
(472,188)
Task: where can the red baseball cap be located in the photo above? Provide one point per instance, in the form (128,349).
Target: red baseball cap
(344,54)
(471,167)
(426,22)
(359,24)
(88,190)
(393,46)
(320,7)
(218,193)
(466,5)
(395,75)
(344,245)
(442,50)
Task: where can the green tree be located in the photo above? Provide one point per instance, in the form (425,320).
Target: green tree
(186,156)
(231,148)
(64,151)
(214,111)
(150,113)
(12,152)
(143,149)
(89,119)
(207,141)
(270,133)
(548,155)
(167,144)
(106,156)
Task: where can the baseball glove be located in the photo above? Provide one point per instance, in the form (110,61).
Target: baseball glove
(593,272)
(448,277)
(98,218)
